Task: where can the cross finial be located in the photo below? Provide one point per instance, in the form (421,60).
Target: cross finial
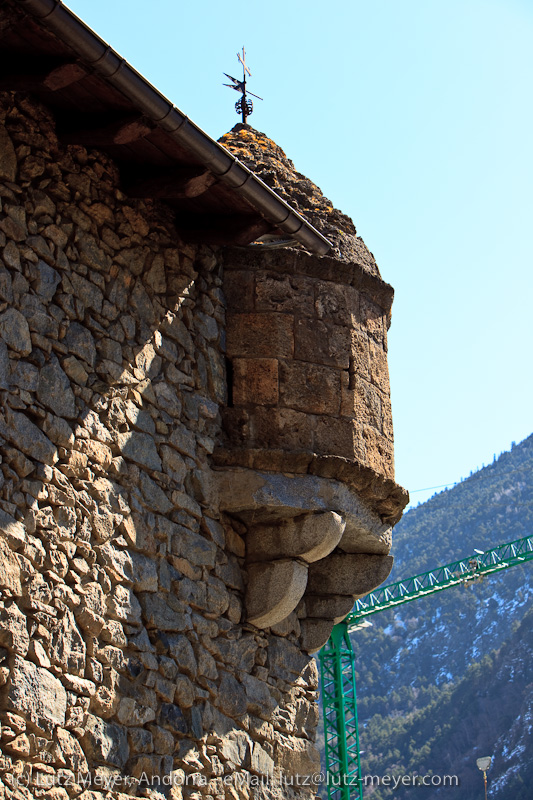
(242,59)
(244,106)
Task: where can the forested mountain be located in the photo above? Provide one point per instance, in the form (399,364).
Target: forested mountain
(448,678)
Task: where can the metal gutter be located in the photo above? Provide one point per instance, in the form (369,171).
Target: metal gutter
(57,18)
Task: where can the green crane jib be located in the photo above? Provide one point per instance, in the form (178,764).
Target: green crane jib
(337,662)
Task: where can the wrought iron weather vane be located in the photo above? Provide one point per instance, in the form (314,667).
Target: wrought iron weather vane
(244,106)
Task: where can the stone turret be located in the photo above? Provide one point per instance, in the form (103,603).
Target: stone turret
(308,397)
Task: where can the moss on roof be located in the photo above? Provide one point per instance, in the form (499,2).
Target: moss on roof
(269,162)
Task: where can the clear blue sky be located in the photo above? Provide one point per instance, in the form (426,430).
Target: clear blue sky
(414,118)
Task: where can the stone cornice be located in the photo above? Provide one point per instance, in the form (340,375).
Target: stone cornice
(382,495)
(292,261)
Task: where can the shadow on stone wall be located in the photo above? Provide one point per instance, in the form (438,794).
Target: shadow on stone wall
(122,648)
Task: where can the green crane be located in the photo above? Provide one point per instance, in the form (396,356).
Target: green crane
(337,661)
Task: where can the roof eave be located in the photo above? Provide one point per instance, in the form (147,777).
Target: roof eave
(92,50)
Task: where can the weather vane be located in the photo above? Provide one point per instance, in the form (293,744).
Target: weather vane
(244,106)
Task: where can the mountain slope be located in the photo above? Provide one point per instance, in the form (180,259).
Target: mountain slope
(434,687)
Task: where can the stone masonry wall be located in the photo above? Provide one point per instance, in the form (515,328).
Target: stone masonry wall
(122,651)
(308,348)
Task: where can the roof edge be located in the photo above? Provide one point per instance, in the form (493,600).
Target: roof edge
(93,50)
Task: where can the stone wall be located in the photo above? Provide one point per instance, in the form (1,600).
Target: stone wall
(122,646)
(307,343)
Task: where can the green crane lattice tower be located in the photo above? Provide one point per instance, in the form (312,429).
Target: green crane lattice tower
(341,737)
(337,659)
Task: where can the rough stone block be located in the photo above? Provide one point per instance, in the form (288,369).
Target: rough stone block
(198,550)
(333,607)
(285,660)
(218,597)
(130,712)
(161,615)
(13,629)
(274,590)
(123,605)
(258,697)
(59,431)
(349,574)
(6,377)
(337,437)
(46,280)
(22,433)
(15,534)
(105,742)
(360,355)
(144,574)
(235,748)
(8,157)
(373,318)
(322,343)
(185,695)
(141,740)
(37,694)
(310,537)
(310,388)
(386,412)
(239,290)
(97,452)
(53,390)
(288,293)
(238,654)
(174,327)
(268,335)
(67,646)
(379,452)
(297,757)
(348,395)
(282,428)
(184,441)
(87,292)
(140,448)
(260,761)
(181,650)
(39,321)
(154,497)
(93,598)
(25,375)
(81,343)
(171,717)
(15,332)
(337,302)
(255,381)
(315,633)
(72,752)
(368,404)
(231,697)
(6,285)
(117,562)
(379,370)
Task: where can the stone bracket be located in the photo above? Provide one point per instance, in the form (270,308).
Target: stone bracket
(312,546)
(274,590)
(309,537)
(278,558)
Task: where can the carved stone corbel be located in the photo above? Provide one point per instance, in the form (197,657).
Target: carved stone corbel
(278,556)
(312,546)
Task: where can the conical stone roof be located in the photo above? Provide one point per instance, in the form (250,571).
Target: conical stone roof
(269,162)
